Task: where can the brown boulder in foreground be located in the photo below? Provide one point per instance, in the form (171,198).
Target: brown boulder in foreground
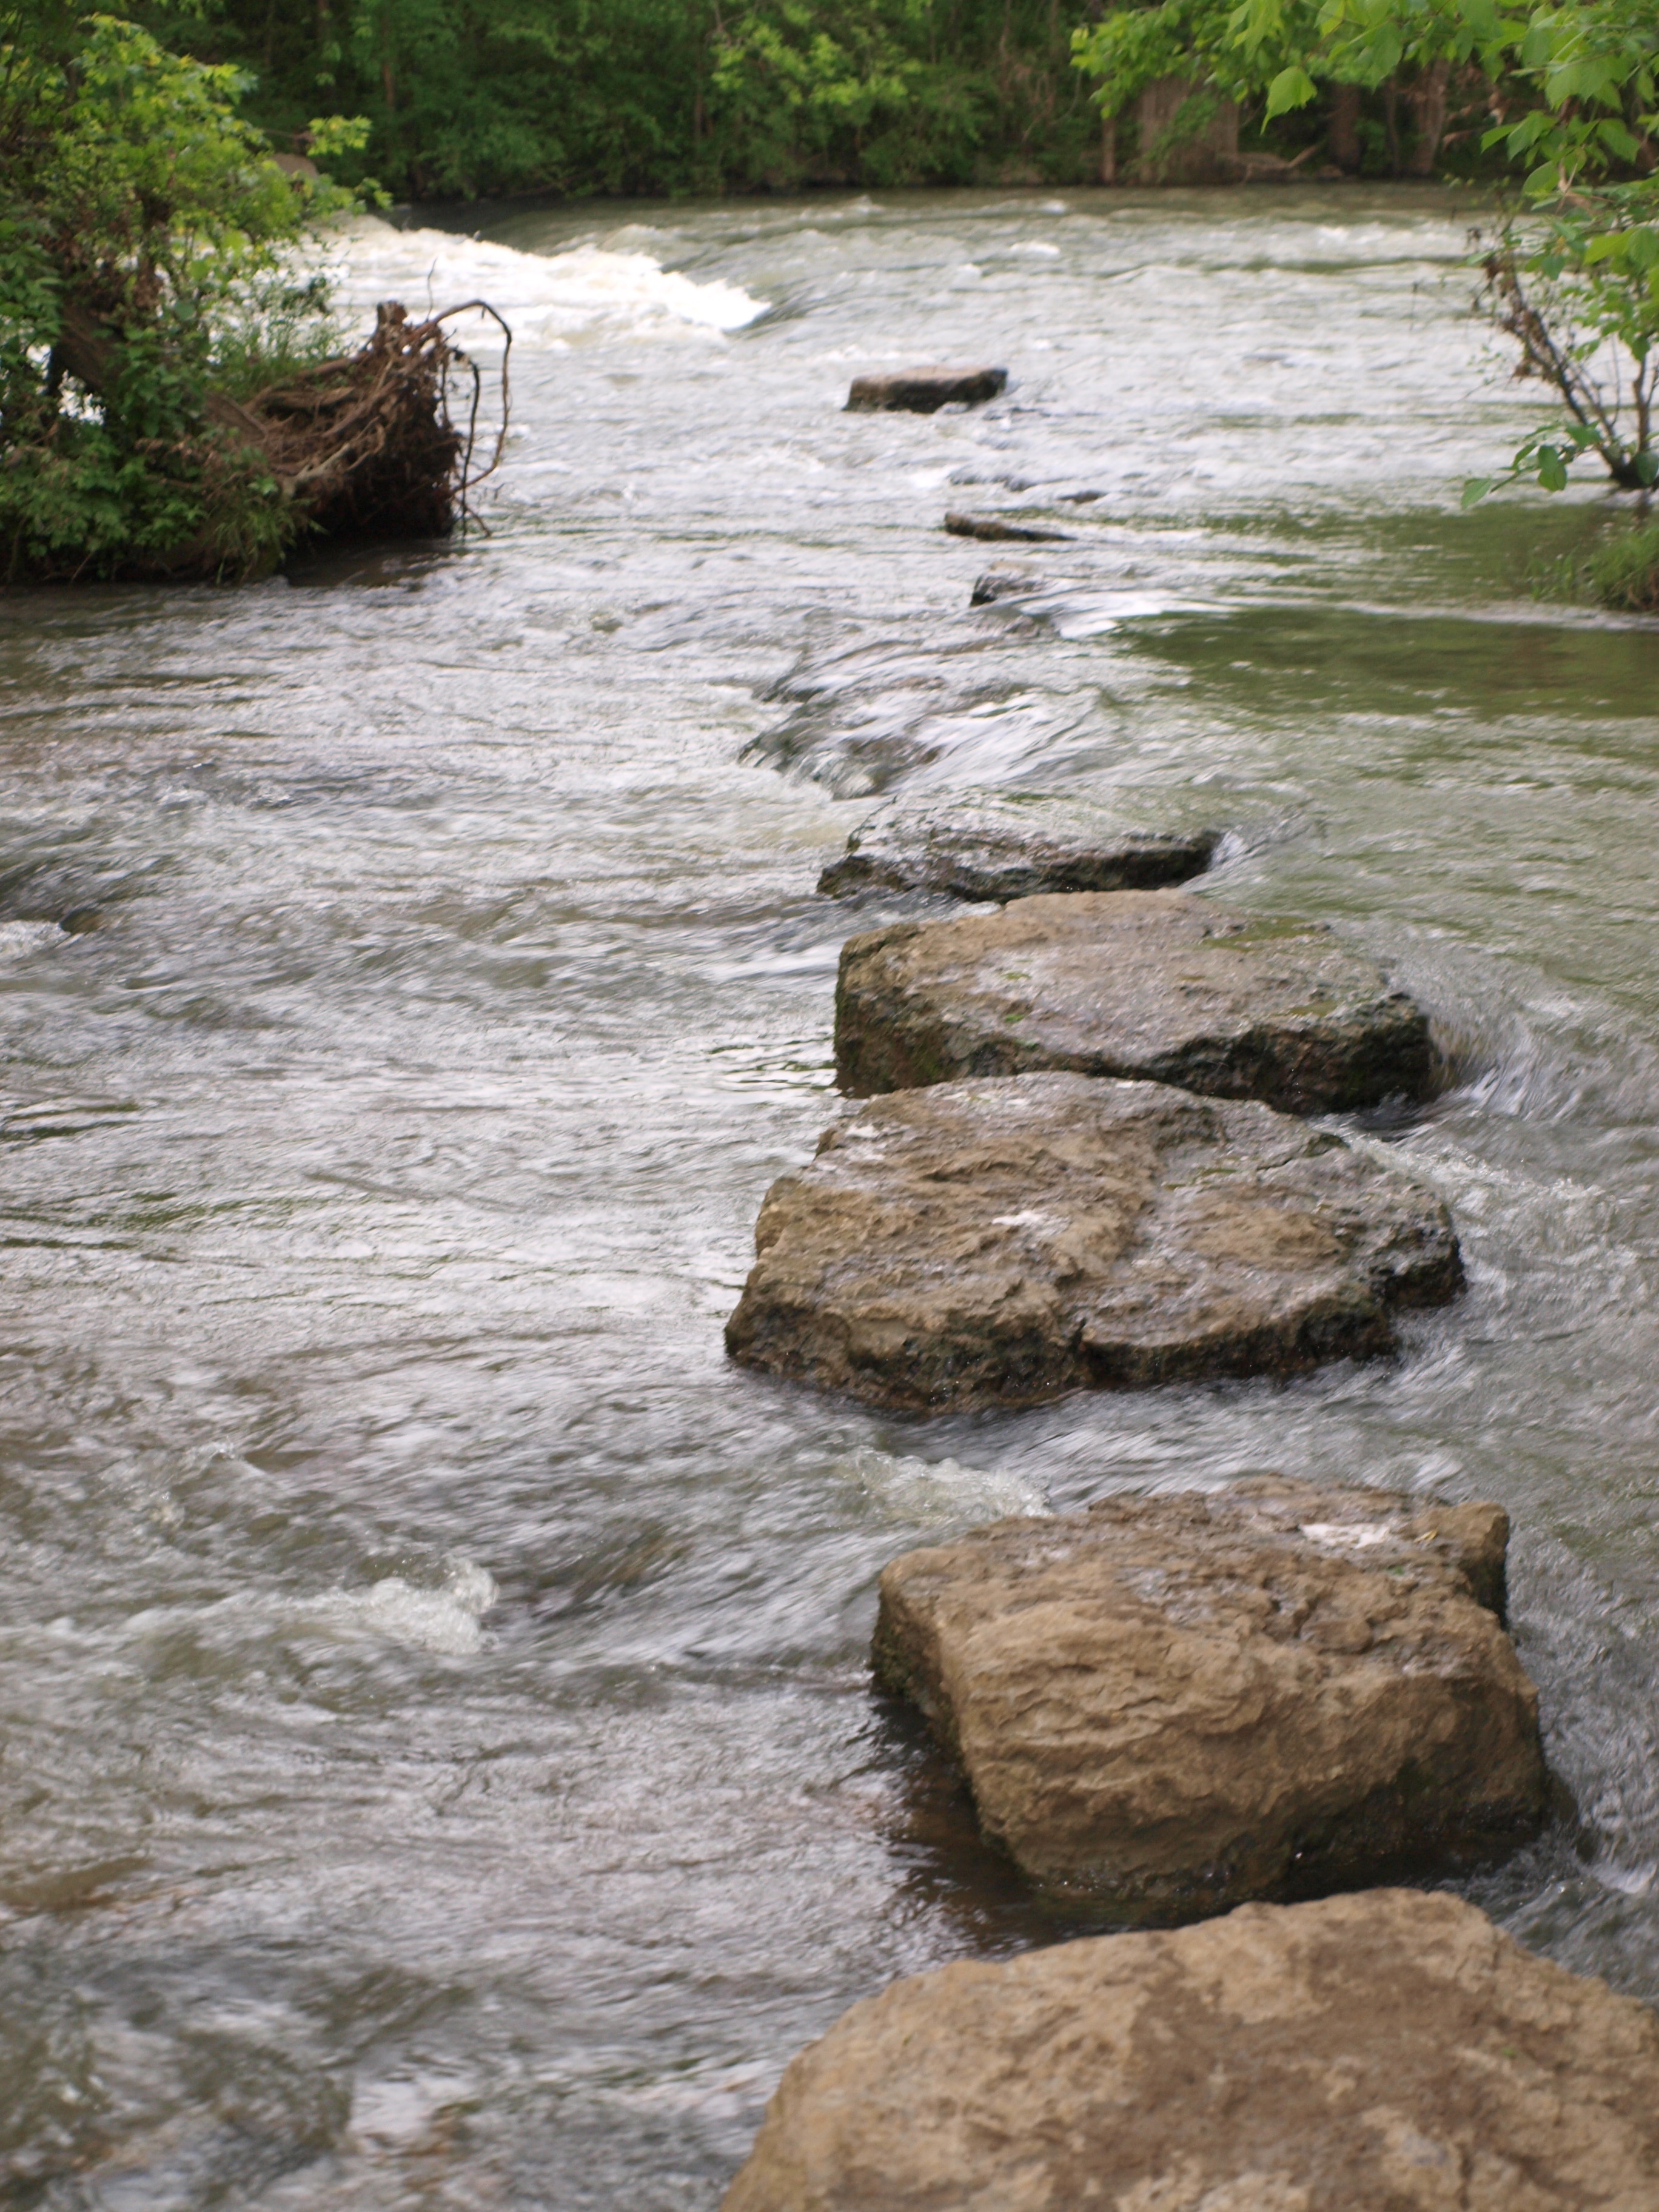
(1154,984)
(1002,1241)
(1011,851)
(1178,1704)
(1387,2052)
(923,390)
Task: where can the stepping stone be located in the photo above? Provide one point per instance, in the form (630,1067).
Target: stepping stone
(1155,984)
(1179,1704)
(1389,2052)
(923,390)
(1001,1242)
(1012,850)
(996,531)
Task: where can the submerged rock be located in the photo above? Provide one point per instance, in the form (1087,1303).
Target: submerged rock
(1002,1241)
(1387,2052)
(1152,984)
(923,390)
(993,528)
(1003,584)
(1179,1704)
(1012,850)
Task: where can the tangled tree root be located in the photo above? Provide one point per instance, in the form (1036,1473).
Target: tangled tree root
(364,446)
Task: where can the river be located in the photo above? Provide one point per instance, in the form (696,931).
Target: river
(437,1762)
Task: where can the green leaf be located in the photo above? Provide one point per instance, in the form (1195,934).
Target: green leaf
(1291,88)
(1647,467)
(1552,469)
(1476,489)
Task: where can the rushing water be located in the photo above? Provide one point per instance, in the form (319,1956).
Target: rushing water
(438,1763)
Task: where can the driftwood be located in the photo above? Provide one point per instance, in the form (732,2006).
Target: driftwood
(365,445)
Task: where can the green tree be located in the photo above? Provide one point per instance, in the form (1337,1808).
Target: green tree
(470,97)
(1572,273)
(145,283)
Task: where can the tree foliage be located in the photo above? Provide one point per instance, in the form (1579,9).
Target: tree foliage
(144,274)
(1572,273)
(473,97)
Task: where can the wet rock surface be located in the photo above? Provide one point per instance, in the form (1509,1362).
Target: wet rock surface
(997,583)
(1003,1241)
(994,531)
(924,390)
(1387,2052)
(1180,1704)
(1156,984)
(1011,851)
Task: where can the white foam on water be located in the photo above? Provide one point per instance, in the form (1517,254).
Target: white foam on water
(932,1491)
(586,295)
(19,938)
(400,2112)
(448,1618)
(1627,1882)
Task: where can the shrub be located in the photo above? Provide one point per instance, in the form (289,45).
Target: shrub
(1624,573)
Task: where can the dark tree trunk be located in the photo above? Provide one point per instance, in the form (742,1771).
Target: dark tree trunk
(1428,106)
(1343,135)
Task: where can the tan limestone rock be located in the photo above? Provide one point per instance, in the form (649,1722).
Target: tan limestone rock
(1002,1241)
(1385,2052)
(1152,985)
(1014,849)
(1177,1704)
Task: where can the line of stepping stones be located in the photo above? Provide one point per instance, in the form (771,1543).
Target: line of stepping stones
(1085,1166)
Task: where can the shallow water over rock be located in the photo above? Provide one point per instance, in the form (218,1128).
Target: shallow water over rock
(439,1768)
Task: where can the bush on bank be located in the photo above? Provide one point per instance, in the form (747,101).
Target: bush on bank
(142,235)
(1624,573)
(174,401)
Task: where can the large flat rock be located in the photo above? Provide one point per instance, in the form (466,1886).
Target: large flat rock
(1012,851)
(1179,1704)
(1001,1241)
(1387,2052)
(1153,984)
(923,390)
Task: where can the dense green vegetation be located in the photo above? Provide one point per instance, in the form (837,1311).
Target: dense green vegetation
(467,97)
(173,400)
(140,238)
